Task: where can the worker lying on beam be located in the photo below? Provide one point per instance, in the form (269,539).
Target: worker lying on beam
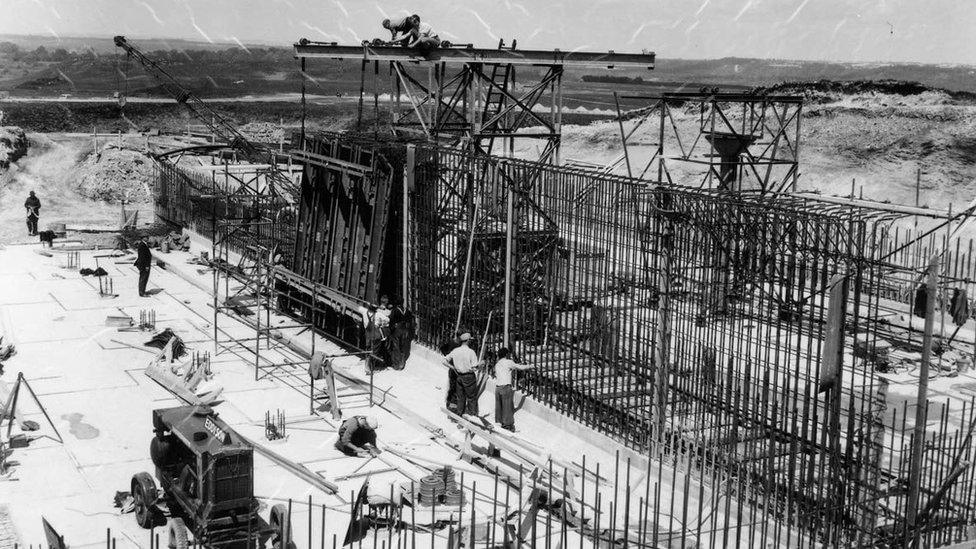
(400,29)
(357,436)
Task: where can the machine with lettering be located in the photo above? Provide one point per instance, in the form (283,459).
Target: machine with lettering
(206,485)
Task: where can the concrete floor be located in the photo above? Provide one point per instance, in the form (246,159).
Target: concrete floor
(89,378)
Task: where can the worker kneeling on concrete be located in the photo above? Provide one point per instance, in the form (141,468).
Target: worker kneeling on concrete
(357,436)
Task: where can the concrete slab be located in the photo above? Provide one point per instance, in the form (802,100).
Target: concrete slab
(98,397)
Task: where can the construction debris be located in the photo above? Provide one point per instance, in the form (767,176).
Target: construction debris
(168,339)
(116,175)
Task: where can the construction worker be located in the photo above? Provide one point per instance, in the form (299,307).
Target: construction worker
(400,28)
(143,263)
(504,392)
(402,328)
(357,436)
(383,312)
(451,397)
(33,207)
(374,323)
(463,360)
(424,38)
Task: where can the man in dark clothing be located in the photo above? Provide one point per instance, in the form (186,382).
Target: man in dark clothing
(451,397)
(143,263)
(402,333)
(33,206)
(357,436)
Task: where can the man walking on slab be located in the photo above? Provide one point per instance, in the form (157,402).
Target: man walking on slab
(33,207)
(143,263)
(463,361)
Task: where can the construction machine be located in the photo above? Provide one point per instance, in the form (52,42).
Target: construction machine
(223,130)
(205,485)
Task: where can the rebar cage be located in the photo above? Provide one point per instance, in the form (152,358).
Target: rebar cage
(736,333)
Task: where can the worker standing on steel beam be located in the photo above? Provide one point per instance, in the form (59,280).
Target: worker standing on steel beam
(504,392)
(424,38)
(357,436)
(400,29)
(463,360)
(143,263)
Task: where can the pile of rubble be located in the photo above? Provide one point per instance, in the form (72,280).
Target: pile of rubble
(115,175)
(262,132)
(13,145)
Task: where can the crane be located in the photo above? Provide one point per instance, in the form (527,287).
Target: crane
(222,128)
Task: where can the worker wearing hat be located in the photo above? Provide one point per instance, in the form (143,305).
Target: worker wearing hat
(357,436)
(400,28)
(463,361)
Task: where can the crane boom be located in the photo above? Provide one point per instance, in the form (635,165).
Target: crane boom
(220,126)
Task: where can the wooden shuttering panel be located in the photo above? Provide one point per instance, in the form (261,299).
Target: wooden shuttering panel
(343,217)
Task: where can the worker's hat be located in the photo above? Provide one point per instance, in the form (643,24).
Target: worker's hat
(465,336)
(371,422)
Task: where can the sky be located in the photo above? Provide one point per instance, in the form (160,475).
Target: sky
(926,31)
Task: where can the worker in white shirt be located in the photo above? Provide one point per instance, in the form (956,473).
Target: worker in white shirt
(463,360)
(424,38)
(401,28)
(504,392)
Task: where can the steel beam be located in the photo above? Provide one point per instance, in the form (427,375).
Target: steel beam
(461,56)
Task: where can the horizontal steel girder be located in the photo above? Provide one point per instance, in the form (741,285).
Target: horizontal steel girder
(476,55)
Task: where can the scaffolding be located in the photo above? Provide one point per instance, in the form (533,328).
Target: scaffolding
(249,236)
(735,142)
(469,97)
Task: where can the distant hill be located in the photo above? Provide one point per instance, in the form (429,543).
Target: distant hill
(102,45)
(82,66)
(768,72)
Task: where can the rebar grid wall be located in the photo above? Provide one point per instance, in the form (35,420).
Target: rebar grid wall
(605,268)
(744,284)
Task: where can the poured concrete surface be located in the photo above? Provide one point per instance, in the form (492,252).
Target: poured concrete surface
(89,379)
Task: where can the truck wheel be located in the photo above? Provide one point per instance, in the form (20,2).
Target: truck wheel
(281,524)
(177,534)
(144,495)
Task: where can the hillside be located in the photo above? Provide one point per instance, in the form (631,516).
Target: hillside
(91,67)
(849,132)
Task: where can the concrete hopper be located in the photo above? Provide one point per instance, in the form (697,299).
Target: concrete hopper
(729,147)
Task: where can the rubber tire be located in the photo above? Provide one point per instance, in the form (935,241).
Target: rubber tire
(281,525)
(145,494)
(178,535)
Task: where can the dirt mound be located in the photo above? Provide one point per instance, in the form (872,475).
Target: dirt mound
(896,91)
(13,145)
(113,175)
(50,169)
(262,132)
(605,135)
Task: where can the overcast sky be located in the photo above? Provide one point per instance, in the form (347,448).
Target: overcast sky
(931,31)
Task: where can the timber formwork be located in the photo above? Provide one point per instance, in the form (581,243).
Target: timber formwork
(730,334)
